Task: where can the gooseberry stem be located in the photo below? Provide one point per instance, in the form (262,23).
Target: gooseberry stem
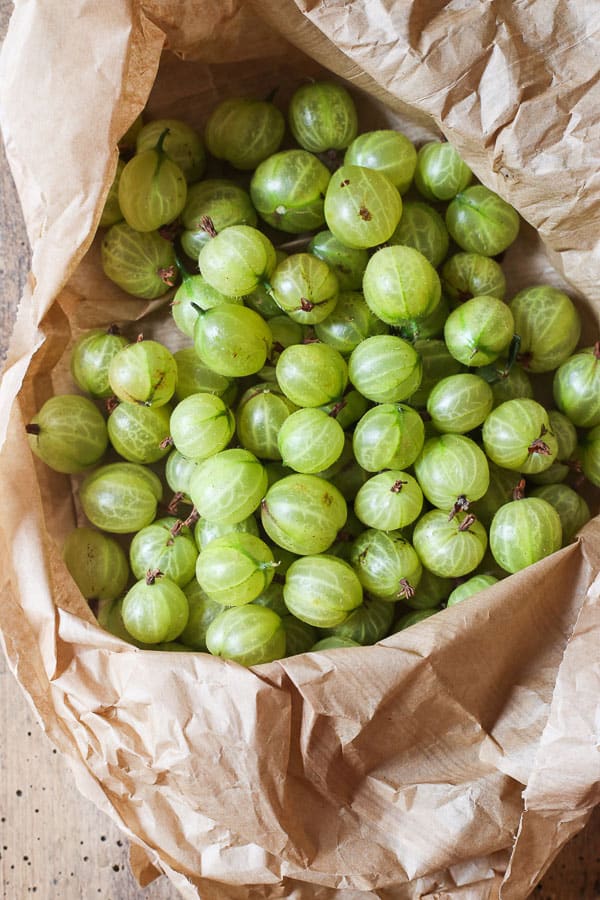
(519,490)
(152,575)
(192,518)
(185,275)
(168,274)
(467,522)
(33,429)
(175,531)
(540,446)
(461,505)
(207,225)
(397,486)
(406,589)
(174,502)
(166,442)
(337,408)
(161,139)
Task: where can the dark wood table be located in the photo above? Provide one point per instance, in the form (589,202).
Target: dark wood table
(55,844)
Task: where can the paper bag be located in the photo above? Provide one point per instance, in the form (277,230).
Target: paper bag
(452,760)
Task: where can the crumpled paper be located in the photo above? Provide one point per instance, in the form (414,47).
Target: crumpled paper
(452,760)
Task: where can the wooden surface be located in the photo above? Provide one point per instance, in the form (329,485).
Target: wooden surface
(54,844)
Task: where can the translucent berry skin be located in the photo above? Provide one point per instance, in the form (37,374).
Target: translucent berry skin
(348,410)
(333,642)
(178,472)
(570,506)
(350,322)
(310,441)
(431,326)
(422,228)
(430,591)
(348,264)
(444,548)
(110,618)
(459,403)
(367,624)
(322,590)
(385,368)
(523,532)
(91,357)
(244,131)
(390,152)
(503,483)
(232,340)
(389,500)
(305,288)
(401,286)
(386,564)
(388,436)
(97,564)
(577,387)
(452,466)
(237,260)
(202,611)
(467,275)
(137,432)
(195,292)
(261,412)
(152,190)
(472,586)
(362,207)
(182,145)
(590,447)
(248,635)
(161,546)
(228,487)
(194,377)
(438,363)
(312,374)
(142,264)
(478,331)
(272,597)
(201,425)
(120,497)
(566,438)
(512,385)
(549,327)
(511,434)
(68,433)
(412,618)
(144,372)
(440,173)
(482,222)
(217,199)
(235,568)
(299,636)
(322,116)
(288,191)
(206,531)
(156,612)
(303,514)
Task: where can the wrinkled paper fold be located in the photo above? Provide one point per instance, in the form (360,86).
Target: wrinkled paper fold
(451,760)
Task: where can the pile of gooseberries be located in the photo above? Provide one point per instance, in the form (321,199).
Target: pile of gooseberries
(352,436)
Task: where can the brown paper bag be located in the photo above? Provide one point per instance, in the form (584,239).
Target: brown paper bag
(451,760)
